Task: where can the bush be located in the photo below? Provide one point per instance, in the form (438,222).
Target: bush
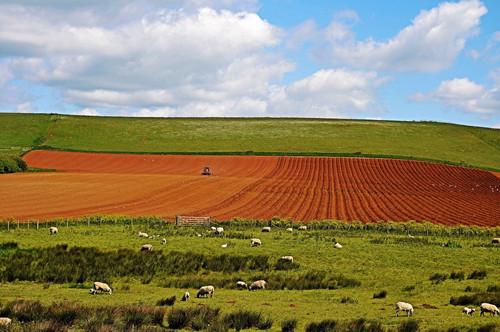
(488,328)
(265,323)
(493,288)
(283,265)
(178,319)
(24,311)
(459,275)
(169,301)
(410,325)
(409,288)
(242,319)
(476,298)
(327,325)
(12,164)
(288,325)
(8,245)
(380,295)
(477,274)
(436,278)
(347,299)
(361,325)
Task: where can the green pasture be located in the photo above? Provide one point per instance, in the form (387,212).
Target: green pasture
(397,263)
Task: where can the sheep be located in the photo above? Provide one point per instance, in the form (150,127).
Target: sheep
(53,230)
(289,230)
(255,242)
(205,291)
(241,285)
(102,287)
(259,284)
(303,228)
(5,322)
(163,241)
(287,259)
(186,296)
(406,307)
(147,247)
(491,308)
(219,231)
(224,245)
(213,229)
(337,245)
(266,229)
(142,234)
(468,311)
(496,240)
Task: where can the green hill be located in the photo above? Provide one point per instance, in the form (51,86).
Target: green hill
(410,140)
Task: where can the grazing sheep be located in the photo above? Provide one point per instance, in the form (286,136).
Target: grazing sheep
(224,245)
(5,322)
(205,291)
(259,284)
(241,285)
(496,240)
(287,259)
(491,308)
(198,234)
(101,287)
(219,231)
(147,247)
(186,296)
(142,234)
(213,228)
(255,242)
(53,230)
(266,229)
(337,245)
(406,307)
(163,241)
(290,229)
(303,228)
(468,311)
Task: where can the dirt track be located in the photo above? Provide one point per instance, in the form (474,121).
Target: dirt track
(301,188)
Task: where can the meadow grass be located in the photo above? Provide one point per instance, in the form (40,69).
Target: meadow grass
(418,140)
(400,265)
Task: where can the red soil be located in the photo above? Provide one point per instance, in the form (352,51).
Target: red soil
(301,188)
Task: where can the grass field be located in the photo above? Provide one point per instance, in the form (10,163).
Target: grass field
(399,264)
(422,140)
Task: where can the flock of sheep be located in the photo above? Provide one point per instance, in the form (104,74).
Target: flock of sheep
(209,290)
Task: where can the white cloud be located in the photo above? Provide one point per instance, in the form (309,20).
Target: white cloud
(26,107)
(466,95)
(496,126)
(88,112)
(431,43)
(329,93)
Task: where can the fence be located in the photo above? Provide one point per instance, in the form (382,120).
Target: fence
(192,221)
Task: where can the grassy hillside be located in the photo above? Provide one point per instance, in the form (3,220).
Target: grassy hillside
(385,259)
(422,140)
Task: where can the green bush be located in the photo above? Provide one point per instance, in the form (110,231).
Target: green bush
(169,301)
(410,325)
(327,325)
(459,275)
(12,164)
(288,325)
(477,274)
(436,278)
(380,295)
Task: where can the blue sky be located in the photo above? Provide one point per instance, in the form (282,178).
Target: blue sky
(408,60)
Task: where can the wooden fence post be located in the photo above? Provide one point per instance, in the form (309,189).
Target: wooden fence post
(8,225)
(37,225)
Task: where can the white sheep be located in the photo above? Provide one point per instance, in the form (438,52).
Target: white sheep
(337,245)
(468,311)
(491,308)
(406,307)
(5,322)
(289,230)
(266,229)
(259,284)
(53,230)
(241,285)
(142,234)
(206,291)
(255,242)
(163,241)
(303,228)
(186,296)
(102,287)
(287,259)
(147,247)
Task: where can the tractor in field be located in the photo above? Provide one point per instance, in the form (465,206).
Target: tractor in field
(206,171)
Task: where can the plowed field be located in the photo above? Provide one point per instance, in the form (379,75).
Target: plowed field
(301,188)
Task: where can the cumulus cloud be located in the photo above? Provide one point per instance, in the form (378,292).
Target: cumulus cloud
(430,43)
(88,112)
(26,107)
(465,95)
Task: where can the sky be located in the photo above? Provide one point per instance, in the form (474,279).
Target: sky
(396,60)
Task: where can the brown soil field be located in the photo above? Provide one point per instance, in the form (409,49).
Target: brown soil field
(299,188)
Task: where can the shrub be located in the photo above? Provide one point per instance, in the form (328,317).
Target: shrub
(361,325)
(327,325)
(12,164)
(347,299)
(288,325)
(493,288)
(410,325)
(285,265)
(169,301)
(477,274)
(178,319)
(492,327)
(242,319)
(476,298)
(459,275)
(8,245)
(24,311)
(409,288)
(380,295)
(436,278)
(265,323)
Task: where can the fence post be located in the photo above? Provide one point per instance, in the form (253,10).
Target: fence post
(28,224)
(37,225)
(8,225)
(88,222)
(67,223)
(18,224)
